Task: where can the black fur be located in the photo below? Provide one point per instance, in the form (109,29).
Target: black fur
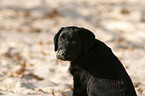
(96,70)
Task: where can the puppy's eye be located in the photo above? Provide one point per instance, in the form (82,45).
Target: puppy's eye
(61,40)
(73,42)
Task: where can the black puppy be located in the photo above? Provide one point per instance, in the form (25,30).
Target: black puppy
(96,70)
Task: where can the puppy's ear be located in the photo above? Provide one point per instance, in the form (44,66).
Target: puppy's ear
(56,39)
(88,39)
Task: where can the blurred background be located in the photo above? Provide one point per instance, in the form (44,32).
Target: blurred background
(28,65)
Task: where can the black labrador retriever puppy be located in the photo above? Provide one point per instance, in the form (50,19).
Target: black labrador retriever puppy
(96,70)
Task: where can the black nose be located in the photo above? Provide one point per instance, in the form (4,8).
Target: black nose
(61,53)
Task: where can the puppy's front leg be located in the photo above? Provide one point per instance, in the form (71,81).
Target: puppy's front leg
(78,88)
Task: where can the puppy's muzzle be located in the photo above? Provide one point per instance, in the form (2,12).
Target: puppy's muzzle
(61,54)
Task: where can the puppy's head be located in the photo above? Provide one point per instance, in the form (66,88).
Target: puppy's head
(72,42)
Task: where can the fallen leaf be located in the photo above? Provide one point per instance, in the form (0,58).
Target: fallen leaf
(125,11)
(53,93)
(35,76)
(140,90)
(35,30)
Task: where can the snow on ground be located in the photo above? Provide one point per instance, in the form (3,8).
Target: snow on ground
(27,59)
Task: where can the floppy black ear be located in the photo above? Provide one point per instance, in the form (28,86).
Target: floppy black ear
(88,39)
(56,39)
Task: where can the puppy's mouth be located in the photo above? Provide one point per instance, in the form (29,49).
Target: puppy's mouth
(63,55)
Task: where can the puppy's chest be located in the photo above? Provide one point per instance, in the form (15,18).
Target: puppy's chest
(79,73)
(76,70)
